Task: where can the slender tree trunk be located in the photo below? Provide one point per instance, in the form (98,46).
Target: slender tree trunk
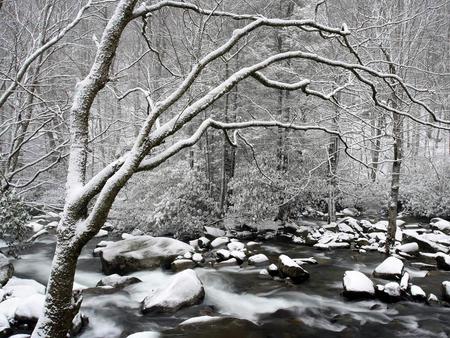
(395,179)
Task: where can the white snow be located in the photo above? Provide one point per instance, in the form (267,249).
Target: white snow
(258,259)
(30,308)
(200,319)
(4,324)
(408,247)
(404,282)
(445,289)
(219,241)
(236,246)
(417,291)
(355,281)
(390,267)
(440,224)
(392,289)
(144,334)
(184,286)
(239,255)
(101,233)
(223,254)
(18,287)
(197,257)
(287,261)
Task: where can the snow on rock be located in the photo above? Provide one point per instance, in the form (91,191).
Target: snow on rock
(102,233)
(4,325)
(137,253)
(409,248)
(6,269)
(239,255)
(185,289)
(144,334)
(264,274)
(432,298)
(357,285)
(223,254)
(443,261)
(288,268)
(391,292)
(35,226)
(8,307)
(404,282)
(30,308)
(19,287)
(440,224)
(273,270)
(182,264)
(302,261)
(213,232)
(343,227)
(390,268)
(236,246)
(258,259)
(425,241)
(203,242)
(198,258)
(219,241)
(118,281)
(228,262)
(350,212)
(445,291)
(417,293)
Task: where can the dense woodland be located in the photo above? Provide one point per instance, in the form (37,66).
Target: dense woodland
(168,116)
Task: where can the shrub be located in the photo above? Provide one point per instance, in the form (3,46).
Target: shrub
(13,217)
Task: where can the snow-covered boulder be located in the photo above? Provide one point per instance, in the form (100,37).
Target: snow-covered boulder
(203,242)
(21,288)
(273,270)
(390,268)
(440,224)
(258,259)
(30,308)
(445,291)
(198,258)
(443,261)
(223,254)
(391,292)
(240,256)
(219,241)
(417,293)
(6,269)
(288,268)
(213,232)
(409,248)
(185,289)
(425,241)
(143,252)
(236,246)
(182,264)
(357,285)
(117,281)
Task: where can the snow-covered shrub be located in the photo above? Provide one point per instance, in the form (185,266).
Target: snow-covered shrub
(13,217)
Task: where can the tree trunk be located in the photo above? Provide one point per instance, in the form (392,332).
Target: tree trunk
(395,180)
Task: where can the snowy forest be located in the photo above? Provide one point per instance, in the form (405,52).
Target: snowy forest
(224,168)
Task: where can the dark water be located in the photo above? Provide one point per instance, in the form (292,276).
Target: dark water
(273,308)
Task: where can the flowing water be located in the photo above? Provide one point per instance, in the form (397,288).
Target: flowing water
(273,308)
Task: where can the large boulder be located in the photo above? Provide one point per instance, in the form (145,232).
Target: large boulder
(30,309)
(182,264)
(6,269)
(390,268)
(258,259)
(440,224)
(143,252)
(185,289)
(288,268)
(357,285)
